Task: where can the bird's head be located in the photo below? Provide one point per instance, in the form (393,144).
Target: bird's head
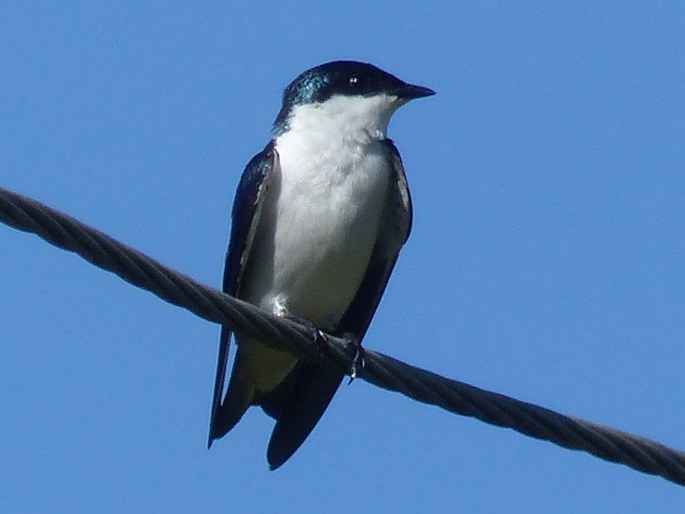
(350,94)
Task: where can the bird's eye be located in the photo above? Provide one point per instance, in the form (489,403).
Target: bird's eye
(354,81)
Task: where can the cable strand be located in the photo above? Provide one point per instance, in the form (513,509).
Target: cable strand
(607,443)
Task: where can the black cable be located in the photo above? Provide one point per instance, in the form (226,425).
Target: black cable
(381,370)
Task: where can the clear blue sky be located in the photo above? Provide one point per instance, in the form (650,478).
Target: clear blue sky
(547,260)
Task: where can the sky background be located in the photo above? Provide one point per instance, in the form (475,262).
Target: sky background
(547,259)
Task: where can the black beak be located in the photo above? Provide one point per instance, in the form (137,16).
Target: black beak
(410,92)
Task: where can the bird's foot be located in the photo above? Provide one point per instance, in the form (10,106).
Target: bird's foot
(352,344)
(318,336)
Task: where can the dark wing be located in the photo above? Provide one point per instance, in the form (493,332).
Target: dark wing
(247,208)
(314,385)
(394,231)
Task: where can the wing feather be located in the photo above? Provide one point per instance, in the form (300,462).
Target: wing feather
(394,231)
(247,208)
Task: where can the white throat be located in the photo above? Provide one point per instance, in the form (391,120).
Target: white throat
(352,119)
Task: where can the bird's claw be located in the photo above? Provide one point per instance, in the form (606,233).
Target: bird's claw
(358,362)
(321,340)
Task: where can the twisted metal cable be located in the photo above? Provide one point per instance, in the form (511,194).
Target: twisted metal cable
(381,370)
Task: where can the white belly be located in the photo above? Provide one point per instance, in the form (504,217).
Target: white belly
(325,213)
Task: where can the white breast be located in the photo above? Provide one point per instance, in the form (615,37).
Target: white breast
(325,209)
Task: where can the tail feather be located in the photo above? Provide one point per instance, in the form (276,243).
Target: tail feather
(296,404)
(239,396)
(300,410)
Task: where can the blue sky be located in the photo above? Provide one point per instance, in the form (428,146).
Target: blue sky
(547,260)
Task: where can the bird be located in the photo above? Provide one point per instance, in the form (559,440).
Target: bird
(318,220)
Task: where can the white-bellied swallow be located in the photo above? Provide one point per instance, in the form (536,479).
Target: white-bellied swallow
(319,218)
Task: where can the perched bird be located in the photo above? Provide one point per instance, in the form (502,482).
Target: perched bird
(319,218)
